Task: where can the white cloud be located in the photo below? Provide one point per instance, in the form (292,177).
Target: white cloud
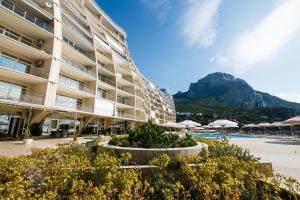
(160,7)
(289,96)
(266,39)
(198,22)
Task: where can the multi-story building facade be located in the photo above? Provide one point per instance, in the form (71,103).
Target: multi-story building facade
(66,63)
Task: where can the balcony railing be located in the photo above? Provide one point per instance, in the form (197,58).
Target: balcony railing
(77,33)
(8,94)
(65,81)
(124,101)
(78,107)
(20,66)
(120,55)
(108,81)
(125,115)
(25,15)
(24,40)
(106,96)
(79,49)
(142,118)
(125,90)
(140,105)
(37,6)
(106,67)
(72,10)
(106,56)
(126,79)
(78,66)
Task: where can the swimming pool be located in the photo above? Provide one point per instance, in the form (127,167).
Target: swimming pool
(219,135)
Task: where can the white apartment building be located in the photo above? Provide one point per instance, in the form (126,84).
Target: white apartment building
(66,63)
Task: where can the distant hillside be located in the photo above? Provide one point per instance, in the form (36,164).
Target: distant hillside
(221,95)
(225,88)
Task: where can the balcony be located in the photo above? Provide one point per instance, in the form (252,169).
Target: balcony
(140,105)
(73,87)
(35,7)
(76,52)
(124,101)
(10,95)
(108,82)
(71,104)
(77,70)
(25,71)
(106,70)
(78,108)
(104,58)
(124,81)
(9,12)
(125,92)
(76,35)
(26,46)
(106,96)
(125,115)
(102,42)
(140,118)
(71,8)
(119,58)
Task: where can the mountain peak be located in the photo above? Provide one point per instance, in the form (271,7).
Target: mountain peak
(220,76)
(225,88)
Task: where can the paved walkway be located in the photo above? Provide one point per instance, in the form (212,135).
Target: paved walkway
(15,148)
(284,154)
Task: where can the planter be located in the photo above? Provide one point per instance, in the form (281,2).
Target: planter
(143,155)
(27,141)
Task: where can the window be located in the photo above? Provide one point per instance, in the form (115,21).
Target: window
(101,93)
(121,100)
(4,125)
(11,91)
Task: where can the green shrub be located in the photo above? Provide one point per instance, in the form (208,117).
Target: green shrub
(150,135)
(73,171)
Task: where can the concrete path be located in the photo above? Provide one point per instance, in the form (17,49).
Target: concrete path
(284,154)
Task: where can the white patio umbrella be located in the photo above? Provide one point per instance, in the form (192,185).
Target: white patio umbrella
(264,125)
(293,121)
(223,123)
(205,127)
(199,128)
(189,123)
(251,126)
(279,125)
(173,125)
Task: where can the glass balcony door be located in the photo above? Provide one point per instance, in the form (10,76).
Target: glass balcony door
(11,91)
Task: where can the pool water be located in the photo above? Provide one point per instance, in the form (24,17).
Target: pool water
(219,135)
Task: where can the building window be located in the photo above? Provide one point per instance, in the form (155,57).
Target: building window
(11,91)
(101,93)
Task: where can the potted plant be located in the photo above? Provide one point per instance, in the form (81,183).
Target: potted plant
(26,136)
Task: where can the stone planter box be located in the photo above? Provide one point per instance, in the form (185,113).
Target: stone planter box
(143,155)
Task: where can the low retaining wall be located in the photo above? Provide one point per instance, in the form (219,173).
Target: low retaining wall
(143,155)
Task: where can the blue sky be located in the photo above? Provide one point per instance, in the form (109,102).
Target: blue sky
(176,42)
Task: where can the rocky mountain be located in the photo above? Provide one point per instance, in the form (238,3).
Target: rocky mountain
(226,89)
